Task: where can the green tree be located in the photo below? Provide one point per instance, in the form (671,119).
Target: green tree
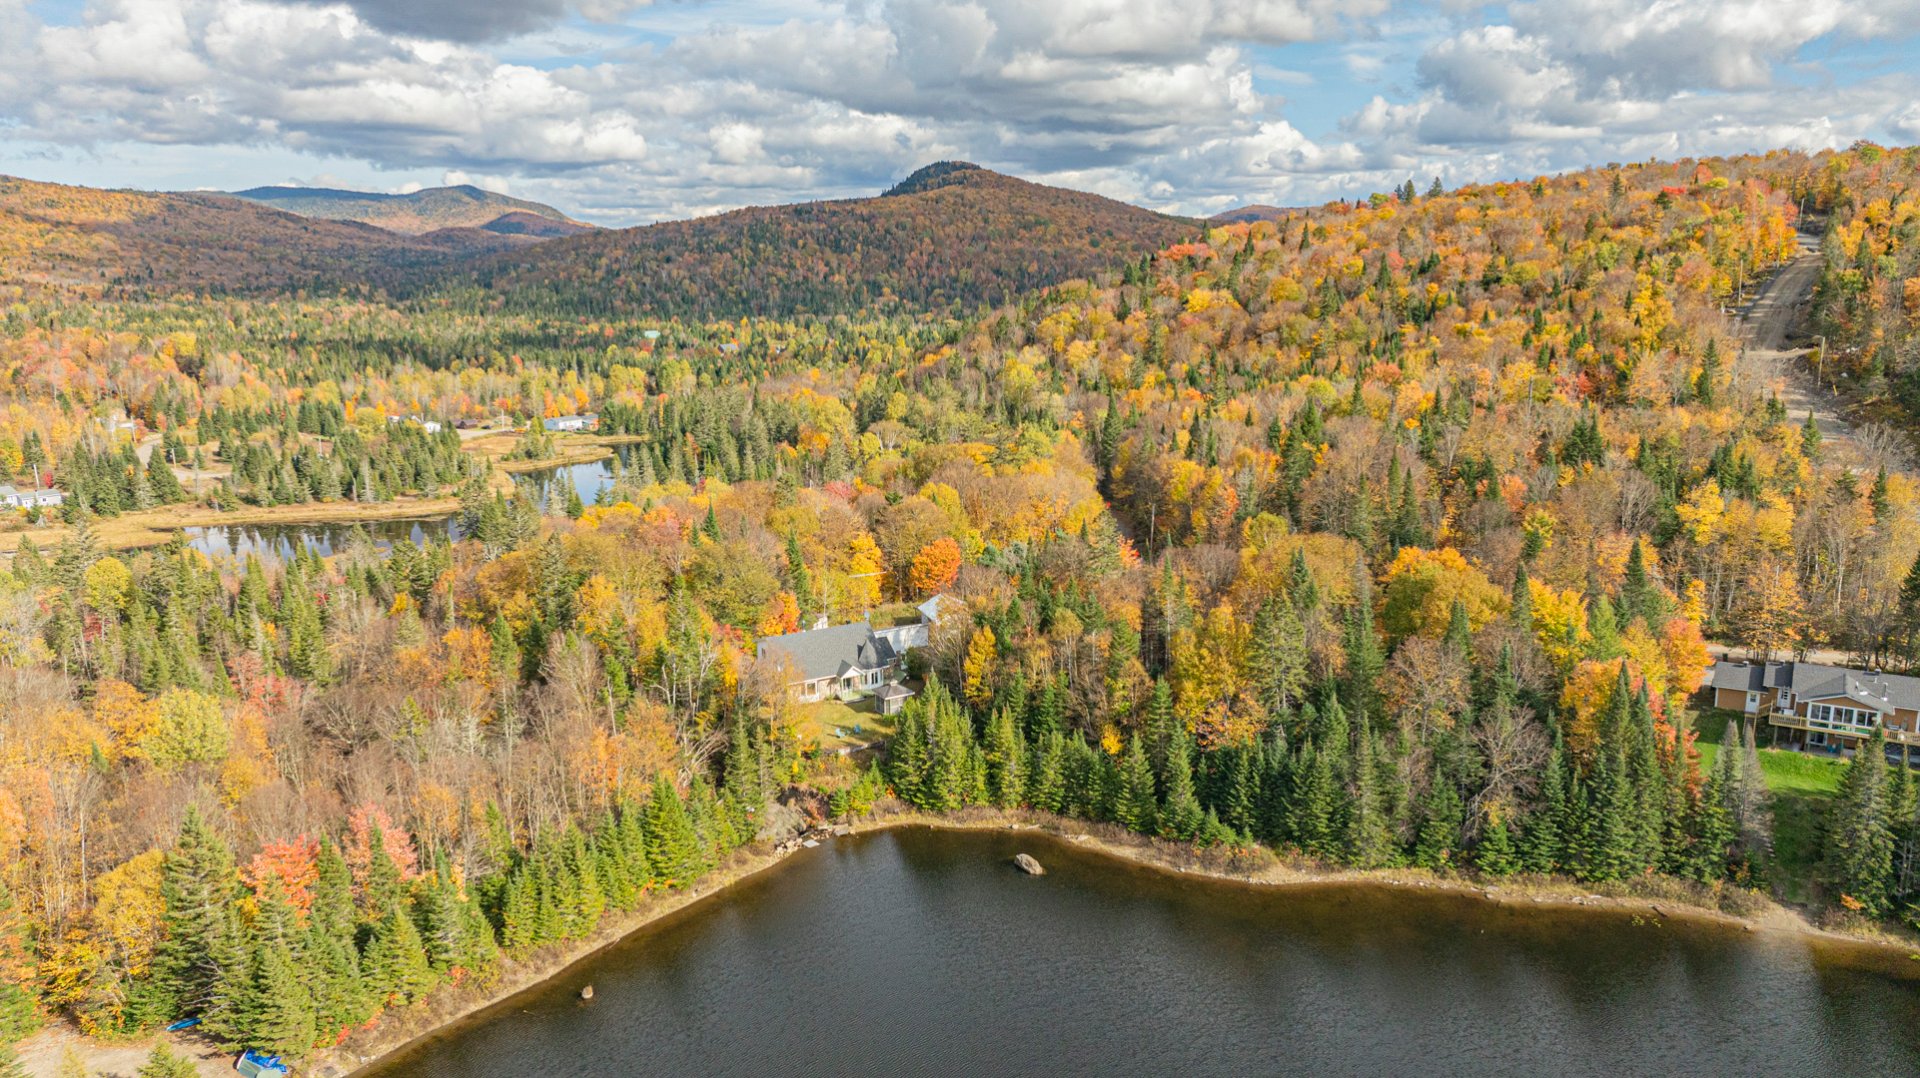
(1860,834)
(1135,806)
(164,1062)
(201,942)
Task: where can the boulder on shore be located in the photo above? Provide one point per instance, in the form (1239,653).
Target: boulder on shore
(587,992)
(1028,865)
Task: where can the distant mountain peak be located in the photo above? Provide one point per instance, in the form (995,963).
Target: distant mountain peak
(415,213)
(934,176)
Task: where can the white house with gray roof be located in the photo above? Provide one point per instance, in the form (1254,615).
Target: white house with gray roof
(12,497)
(848,660)
(1822,707)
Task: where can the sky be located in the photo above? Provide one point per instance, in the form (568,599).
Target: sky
(624,112)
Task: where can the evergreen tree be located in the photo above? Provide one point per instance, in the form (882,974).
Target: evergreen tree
(164,1062)
(201,944)
(1181,816)
(1860,833)
(396,967)
(1369,842)
(1006,760)
(1495,855)
(1135,807)
(673,847)
(1436,847)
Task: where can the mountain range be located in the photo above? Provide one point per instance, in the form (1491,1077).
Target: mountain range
(420,212)
(950,236)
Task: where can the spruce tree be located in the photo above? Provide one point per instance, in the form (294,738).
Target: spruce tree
(396,965)
(1135,807)
(673,847)
(1495,855)
(1369,838)
(1046,783)
(201,942)
(1436,847)
(1860,833)
(1006,759)
(1180,817)
(164,1062)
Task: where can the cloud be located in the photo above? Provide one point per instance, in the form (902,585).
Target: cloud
(684,108)
(474,21)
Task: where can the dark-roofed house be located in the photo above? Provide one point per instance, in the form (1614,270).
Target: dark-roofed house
(850,660)
(1823,707)
(835,661)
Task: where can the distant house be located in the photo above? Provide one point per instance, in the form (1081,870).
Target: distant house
(851,660)
(570,422)
(16,498)
(428,425)
(1822,707)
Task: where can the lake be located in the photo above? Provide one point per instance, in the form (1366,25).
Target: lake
(278,542)
(919,952)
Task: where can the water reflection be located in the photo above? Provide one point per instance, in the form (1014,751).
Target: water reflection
(279,542)
(920,952)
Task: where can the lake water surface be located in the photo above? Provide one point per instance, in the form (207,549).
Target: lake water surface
(919,952)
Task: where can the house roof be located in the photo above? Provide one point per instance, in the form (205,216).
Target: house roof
(830,652)
(8,490)
(893,691)
(930,610)
(1814,681)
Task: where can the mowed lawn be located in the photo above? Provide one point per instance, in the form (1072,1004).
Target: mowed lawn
(1802,785)
(832,725)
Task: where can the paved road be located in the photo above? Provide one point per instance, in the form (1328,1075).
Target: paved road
(1768,324)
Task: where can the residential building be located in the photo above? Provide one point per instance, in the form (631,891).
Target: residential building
(30,497)
(851,660)
(1833,708)
(570,422)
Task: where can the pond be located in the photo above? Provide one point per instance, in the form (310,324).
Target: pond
(589,478)
(925,952)
(278,542)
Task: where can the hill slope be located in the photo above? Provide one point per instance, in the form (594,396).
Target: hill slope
(56,238)
(417,213)
(952,234)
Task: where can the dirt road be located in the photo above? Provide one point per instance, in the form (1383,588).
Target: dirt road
(1769,324)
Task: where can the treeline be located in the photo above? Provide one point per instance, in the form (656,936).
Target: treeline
(975,238)
(1629,802)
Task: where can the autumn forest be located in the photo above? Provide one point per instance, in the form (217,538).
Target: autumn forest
(1390,535)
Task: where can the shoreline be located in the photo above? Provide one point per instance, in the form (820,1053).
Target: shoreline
(400,1031)
(1773,920)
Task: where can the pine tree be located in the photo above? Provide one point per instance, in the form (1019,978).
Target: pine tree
(396,965)
(673,848)
(1495,855)
(1369,842)
(164,1062)
(1181,816)
(1542,842)
(1436,847)
(1279,657)
(1135,807)
(1006,760)
(201,941)
(1046,782)
(1364,659)
(1860,834)
(1315,804)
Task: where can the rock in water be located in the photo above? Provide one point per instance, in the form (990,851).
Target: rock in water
(587,992)
(1028,865)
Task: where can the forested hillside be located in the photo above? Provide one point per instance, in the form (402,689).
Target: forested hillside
(413,213)
(57,240)
(1381,535)
(952,236)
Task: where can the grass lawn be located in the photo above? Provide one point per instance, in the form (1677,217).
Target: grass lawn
(833,725)
(1801,786)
